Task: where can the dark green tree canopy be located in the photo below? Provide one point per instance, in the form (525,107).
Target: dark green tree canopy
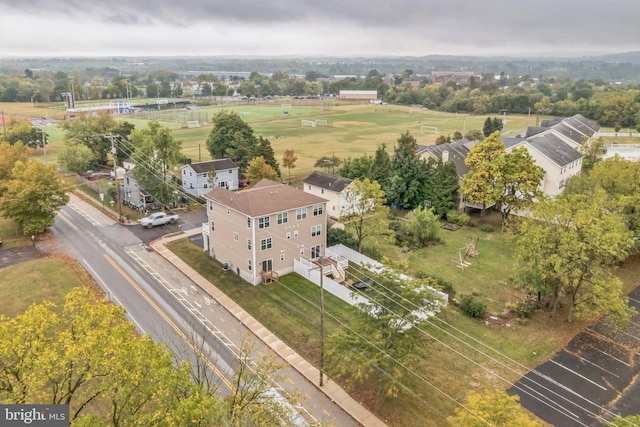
(231,137)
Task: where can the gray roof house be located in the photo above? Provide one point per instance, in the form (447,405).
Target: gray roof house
(197,179)
(330,187)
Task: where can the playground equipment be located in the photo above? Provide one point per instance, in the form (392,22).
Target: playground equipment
(470,251)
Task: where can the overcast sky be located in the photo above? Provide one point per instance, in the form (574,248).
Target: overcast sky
(340,28)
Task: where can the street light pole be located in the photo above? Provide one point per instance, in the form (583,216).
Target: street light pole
(115,176)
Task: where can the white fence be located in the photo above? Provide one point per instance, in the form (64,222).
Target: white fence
(626,151)
(620,134)
(312,273)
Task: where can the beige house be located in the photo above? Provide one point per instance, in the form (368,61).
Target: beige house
(330,187)
(258,233)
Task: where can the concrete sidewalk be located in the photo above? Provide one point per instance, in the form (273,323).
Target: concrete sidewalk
(330,388)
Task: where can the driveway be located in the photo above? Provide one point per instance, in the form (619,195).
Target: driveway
(594,377)
(16,255)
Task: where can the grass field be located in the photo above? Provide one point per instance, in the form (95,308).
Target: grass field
(35,281)
(353,129)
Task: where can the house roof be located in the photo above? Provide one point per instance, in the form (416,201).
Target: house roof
(264,198)
(511,142)
(574,127)
(220,164)
(328,181)
(554,148)
(458,151)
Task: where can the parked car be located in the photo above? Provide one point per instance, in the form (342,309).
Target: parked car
(158,218)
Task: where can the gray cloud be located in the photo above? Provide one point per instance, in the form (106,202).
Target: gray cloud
(405,26)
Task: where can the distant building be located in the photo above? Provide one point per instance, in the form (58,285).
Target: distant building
(445,77)
(359,95)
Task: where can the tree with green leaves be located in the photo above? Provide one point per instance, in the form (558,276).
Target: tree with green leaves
(231,137)
(566,249)
(9,155)
(94,131)
(263,149)
(593,150)
(33,195)
(23,130)
(359,167)
(76,158)
(381,166)
(289,160)
(518,182)
(156,151)
(441,188)
(388,336)
(365,212)
(474,135)
(328,163)
(488,129)
(406,187)
(628,421)
(258,169)
(492,408)
(479,184)
(423,224)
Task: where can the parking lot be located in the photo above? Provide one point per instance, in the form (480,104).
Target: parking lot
(594,377)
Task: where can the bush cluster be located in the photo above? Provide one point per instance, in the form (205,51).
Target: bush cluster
(472,306)
(461,219)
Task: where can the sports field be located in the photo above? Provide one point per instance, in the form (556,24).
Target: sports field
(351,129)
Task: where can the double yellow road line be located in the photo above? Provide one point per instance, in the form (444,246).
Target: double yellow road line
(175,327)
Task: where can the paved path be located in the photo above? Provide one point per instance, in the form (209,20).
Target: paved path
(330,388)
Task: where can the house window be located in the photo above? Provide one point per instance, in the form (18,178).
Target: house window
(210,205)
(315,251)
(229,170)
(301,213)
(315,230)
(309,187)
(281,257)
(301,251)
(322,191)
(249,265)
(236,236)
(249,245)
(190,174)
(317,210)
(205,186)
(127,180)
(248,222)
(561,184)
(288,235)
(213,226)
(295,233)
(263,222)
(265,244)
(283,217)
(228,211)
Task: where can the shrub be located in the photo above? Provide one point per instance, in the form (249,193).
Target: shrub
(461,219)
(472,307)
(486,228)
(336,236)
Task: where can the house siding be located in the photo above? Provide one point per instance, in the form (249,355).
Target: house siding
(226,249)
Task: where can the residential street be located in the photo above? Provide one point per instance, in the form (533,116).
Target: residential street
(163,302)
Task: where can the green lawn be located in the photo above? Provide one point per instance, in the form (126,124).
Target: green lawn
(11,234)
(35,281)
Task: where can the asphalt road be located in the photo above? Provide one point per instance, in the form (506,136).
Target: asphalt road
(161,301)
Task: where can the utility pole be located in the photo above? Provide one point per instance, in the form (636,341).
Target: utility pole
(115,176)
(321,322)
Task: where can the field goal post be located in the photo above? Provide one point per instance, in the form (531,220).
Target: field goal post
(309,123)
(428,129)
(413,111)
(321,122)
(286,106)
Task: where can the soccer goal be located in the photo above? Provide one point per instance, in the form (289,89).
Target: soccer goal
(286,106)
(428,129)
(321,122)
(310,123)
(414,112)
